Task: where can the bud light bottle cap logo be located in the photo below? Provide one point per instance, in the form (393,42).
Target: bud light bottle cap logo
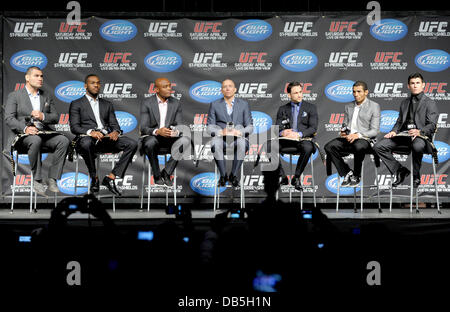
(387,120)
(295,158)
(432,60)
(204,184)
(24,160)
(127,121)
(69,91)
(206,91)
(340,91)
(67,183)
(298,60)
(118,31)
(443,153)
(332,183)
(388,30)
(22,60)
(163,61)
(253,30)
(261,122)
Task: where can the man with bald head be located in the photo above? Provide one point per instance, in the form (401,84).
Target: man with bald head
(160,115)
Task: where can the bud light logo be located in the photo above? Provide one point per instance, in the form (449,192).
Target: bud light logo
(432,60)
(206,91)
(127,121)
(295,158)
(118,31)
(67,183)
(253,30)
(340,91)
(163,61)
(387,120)
(332,183)
(70,90)
(22,60)
(261,122)
(23,158)
(204,184)
(298,60)
(388,30)
(443,153)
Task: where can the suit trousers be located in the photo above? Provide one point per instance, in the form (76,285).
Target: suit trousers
(340,147)
(88,147)
(34,144)
(304,148)
(418,147)
(239,145)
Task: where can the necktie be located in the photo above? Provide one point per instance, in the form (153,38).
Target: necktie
(294,117)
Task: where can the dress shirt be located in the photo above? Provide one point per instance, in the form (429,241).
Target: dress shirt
(353,125)
(162,106)
(96,109)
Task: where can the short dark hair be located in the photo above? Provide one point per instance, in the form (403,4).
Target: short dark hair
(361,84)
(293,84)
(89,76)
(415,75)
(31,68)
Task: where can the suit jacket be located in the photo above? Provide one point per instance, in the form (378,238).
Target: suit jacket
(307,119)
(425,118)
(18,107)
(82,118)
(368,121)
(218,117)
(150,117)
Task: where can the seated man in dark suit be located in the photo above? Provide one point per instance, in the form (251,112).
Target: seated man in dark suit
(414,129)
(229,117)
(160,115)
(30,113)
(94,120)
(297,119)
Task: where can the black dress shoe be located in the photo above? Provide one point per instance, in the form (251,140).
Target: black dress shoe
(166,179)
(284,180)
(109,183)
(400,176)
(222,181)
(158,181)
(234,180)
(354,181)
(297,183)
(416,182)
(95,185)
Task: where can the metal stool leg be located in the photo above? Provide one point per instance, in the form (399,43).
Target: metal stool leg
(149,174)
(361,184)
(301,193)
(167,189)
(31,192)
(142,183)
(215,187)
(14,186)
(290,173)
(338,191)
(114,196)
(242,187)
(314,183)
(378,188)
(435,186)
(175,186)
(411,187)
(390,195)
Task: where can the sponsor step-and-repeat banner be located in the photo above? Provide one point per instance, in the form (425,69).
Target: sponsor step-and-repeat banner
(327,54)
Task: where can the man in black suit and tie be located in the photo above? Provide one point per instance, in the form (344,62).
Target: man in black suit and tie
(414,129)
(160,115)
(93,119)
(297,119)
(30,112)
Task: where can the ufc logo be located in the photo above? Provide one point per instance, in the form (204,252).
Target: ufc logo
(305,90)
(341,26)
(249,88)
(63,119)
(250,180)
(252,57)
(69,58)
(115,88)
(206,57)
(160,27)
(428,179)
(22,179)
(152,89)
(66,28)
(115,57)
(126,181)
(432,86)
(384,57)
(386,87)
(433,26)
(204,27)
(254,149)
(442,118)
(19,86)
(307,178)
(25,27)
(341,57)
(200,119)
(336,118)
(298,26)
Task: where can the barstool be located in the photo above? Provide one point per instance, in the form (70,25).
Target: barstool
(217,191)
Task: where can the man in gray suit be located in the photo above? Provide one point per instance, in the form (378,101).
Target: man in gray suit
(414,130)
(30,112)
(361,124)
(160,115)
(229,117)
